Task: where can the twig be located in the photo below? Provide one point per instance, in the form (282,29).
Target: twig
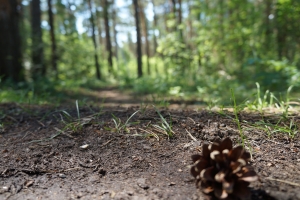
(283,181)
(151,133)
(189,134)
(192,120)
(63,132)
(43,125)
(52,137)
(106,143)
(74,168)
(46,139)
(26,134)
(11,118)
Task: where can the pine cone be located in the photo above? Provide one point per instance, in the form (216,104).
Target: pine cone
(222,171)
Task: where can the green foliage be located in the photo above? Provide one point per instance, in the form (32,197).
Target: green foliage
(219,45)
(236,110)
(165,127)
(272,75)
(119,126)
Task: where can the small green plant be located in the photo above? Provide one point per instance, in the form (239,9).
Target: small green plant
(1,127)
(291,128)
(164,127)
(77,109)
(143,108)
(119,127)
(221,110)
(261,102)
(236,110)
(71,124)
(159,101)
(211,104)
(284,104)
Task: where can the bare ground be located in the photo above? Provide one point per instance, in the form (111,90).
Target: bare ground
(43,154)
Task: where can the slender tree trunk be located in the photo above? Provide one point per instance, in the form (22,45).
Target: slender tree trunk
(268,30)
(145,32)
(53,41)
(97,65)
(99,25)
(174,13)
(38,67)
(221,33)
(138,38)
(71,26)
(10,42)
(180,20)
(154,33)
(166,12)
(190,25)
(107,34)
(154,26)
(173,7)
(115,33)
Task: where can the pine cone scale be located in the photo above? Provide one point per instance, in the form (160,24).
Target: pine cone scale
(223,171)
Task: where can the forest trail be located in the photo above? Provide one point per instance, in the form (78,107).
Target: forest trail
(50,153)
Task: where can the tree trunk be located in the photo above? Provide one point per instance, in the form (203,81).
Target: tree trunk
(72,29)
(145,32)
(268,30)
(10,42)
(174,14)
(115,33)
(138,38)
(99,25)
(154,33)
(107,35)
(173,7)
(180,20)
(97,65)
(52,37)
(38,67)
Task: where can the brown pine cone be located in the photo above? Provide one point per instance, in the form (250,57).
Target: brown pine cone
(222,171)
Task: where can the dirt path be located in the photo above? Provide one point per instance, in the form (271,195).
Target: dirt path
(114,97)
(46,154)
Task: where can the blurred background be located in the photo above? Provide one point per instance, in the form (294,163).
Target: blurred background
(183,49)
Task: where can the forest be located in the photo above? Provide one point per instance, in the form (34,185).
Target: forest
(150,99)
(178,48)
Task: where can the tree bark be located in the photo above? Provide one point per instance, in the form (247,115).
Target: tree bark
(52,37)
(180,20)
(145,33)
(138,38)
(115,33)
(97,65)
(10,42)
(99,25)
(72,29)
(154,33)
(37,54)
(107,34)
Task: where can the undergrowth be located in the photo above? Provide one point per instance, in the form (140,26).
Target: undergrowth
(267,106)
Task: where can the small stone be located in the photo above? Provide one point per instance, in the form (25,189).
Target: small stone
(28,183)
(141,182)
(172,183)
(4,189)
(269,164)
(85,146)
(62,176)
(130,192)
